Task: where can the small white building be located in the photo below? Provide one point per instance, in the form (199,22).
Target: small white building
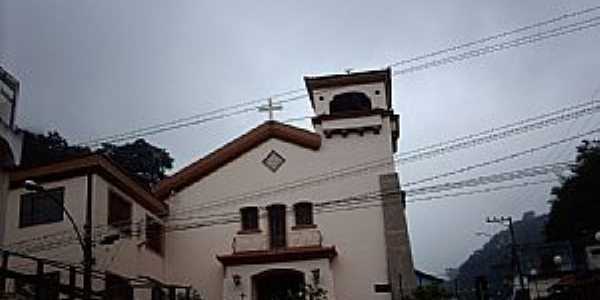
(38,226)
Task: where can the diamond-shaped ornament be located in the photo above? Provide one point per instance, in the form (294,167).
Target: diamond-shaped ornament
(273,161)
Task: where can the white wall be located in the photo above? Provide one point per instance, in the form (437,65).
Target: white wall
(357,235)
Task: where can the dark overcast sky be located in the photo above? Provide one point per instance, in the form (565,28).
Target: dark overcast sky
(92,68)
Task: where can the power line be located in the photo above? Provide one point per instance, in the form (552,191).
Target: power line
(191,119)
(562,30)
(353,170)
(208,116)
(503,158)
(506,126)
(344,204)
(369,166)
(497,36)
(497,135)
(533,38)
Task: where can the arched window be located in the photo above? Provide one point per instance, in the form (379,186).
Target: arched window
(349,102)
(303,212)
(249,218)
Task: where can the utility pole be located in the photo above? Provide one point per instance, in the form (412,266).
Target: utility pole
(87,243)
(515,255)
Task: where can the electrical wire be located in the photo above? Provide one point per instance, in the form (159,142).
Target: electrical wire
(208,116)
(533,38)
(497,36)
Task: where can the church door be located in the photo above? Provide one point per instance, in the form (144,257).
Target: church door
(277,226)
(278,284)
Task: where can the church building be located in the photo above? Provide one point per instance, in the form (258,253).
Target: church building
(272,213)
(282,207)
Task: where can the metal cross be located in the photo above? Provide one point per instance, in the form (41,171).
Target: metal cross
(270,108)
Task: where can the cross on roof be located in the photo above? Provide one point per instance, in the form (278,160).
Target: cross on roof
(270,107)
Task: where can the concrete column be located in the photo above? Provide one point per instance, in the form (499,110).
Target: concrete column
(3,203)
(401,273)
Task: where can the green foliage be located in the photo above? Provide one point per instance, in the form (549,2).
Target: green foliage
(306,292)
(40,149)
(142,160)
(575,207)
(431,292)
(146,162)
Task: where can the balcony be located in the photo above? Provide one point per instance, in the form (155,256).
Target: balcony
(254,248)
(259,241)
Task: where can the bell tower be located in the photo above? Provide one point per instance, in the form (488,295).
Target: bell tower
(354,105)
(354,116)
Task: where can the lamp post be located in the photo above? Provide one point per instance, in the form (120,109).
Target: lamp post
(533,274)
(86,241)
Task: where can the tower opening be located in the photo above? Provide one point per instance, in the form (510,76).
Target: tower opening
(349,103)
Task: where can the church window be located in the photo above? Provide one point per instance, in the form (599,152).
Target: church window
(249,218)
(119,212)
(273,161)
(377,92)
(155,235)
(277,226)
(304,213)
(349,103)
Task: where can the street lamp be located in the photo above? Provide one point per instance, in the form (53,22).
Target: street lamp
(84,242)
(597,236)
(557,259)
(533,274)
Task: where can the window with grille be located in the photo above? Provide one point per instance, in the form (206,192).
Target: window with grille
(154,235)
(41,207)
(303,212)
(119,212)
(249,217)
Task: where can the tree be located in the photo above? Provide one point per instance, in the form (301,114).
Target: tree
(575,207)
(40,149)
(142,160)
(431,292)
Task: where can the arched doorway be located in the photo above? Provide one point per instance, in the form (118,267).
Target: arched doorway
(277,284)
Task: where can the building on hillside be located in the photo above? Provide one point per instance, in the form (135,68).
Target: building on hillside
(275,210)
(322,207)
(11,141)
(424,279)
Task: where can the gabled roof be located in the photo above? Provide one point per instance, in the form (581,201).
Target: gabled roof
(234,149)
(94,164)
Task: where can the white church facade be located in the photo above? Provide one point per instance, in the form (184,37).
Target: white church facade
(282,207)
